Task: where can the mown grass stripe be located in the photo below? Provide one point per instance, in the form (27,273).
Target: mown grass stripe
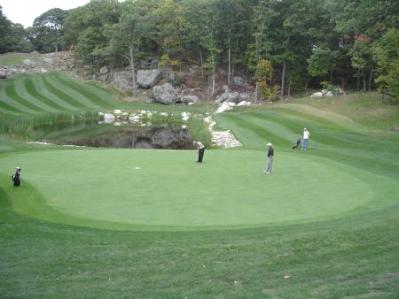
(262,133)
(73,91)
(34,93)
(350,138)
(23,92)
(8,109)
(274,124)
(85,90)
(14,102)
(12,93)
(63,95)
(38,81)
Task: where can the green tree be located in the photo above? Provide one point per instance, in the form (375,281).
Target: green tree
(86,27)
(386,54)
(130,34)
(6,44)
(171,24)
(204,25)
(46,33)
(322,62)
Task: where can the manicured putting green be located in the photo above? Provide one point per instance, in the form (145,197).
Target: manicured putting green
(167,189)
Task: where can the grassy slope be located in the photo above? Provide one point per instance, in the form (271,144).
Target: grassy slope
(16,58)
(59,93)
(355,256)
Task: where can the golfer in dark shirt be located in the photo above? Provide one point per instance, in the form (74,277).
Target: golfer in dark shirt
(270,155)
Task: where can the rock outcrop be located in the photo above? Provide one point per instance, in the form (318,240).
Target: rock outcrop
(165,94)
(148,78)
(224,139)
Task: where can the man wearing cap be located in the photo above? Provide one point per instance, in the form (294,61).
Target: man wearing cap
(306,135)
(270,155)
(16,177)
(200,150)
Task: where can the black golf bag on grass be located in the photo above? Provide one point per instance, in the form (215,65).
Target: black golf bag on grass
(298,143)
(16,178)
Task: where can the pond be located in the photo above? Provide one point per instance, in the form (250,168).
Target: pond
(89,129)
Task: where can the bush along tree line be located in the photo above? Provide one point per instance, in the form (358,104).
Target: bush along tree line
(287,45)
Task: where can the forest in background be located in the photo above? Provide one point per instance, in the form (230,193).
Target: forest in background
(286,46)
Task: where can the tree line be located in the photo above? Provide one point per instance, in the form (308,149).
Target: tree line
(285,45)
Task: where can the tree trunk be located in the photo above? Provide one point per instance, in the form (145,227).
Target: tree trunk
(371,79)
(132,69)
(358,81)
(289,89)
(364,83)
(229,68)
(201,63)
(306,84)
(283,79)
(256,92)
(213,79)
(331,76)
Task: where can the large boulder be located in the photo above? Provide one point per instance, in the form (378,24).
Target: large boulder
(28,63)
(188,99)
(3,73)
(148,78)
(122,80)
(227,96)
(239,81)
(317,95)
(165,94)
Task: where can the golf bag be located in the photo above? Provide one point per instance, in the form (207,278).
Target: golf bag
(201,152)
(298,143)
(16,179)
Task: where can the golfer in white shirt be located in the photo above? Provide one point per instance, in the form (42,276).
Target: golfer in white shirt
(306,136)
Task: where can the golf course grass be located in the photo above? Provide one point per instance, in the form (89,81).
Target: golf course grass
(165,190)
(51,93)
(115,223)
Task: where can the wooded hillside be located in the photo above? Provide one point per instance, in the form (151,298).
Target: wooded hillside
(282,44)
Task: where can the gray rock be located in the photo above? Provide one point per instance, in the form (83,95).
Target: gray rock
(186,99)
(329,94)
(227,96)
(109,118)
(148,78)
(104,70)
(28,62)
(317,95)
(3,73)
(165,94)
(340,92)
(122,80)
(239,81)
(49,60)
(247,96)
(194,70)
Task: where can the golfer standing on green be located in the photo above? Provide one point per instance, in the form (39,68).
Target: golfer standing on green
(200,150)
(306,136)
(270,155)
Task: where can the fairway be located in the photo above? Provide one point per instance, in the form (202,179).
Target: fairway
(166,190)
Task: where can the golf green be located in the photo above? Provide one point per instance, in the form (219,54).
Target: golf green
(167,190)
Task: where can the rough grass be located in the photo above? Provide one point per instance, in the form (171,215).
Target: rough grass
(15,58)
(364,108)
(354,256)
